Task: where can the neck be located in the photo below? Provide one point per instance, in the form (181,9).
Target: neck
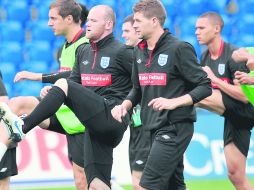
(214,47)
(72,32)
(106,33)
(151,42)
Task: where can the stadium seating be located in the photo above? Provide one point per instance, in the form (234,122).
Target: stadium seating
(40,31)
(18,11)
(38,51)
(12,31)
(12,52)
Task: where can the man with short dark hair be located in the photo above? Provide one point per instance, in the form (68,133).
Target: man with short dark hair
(167,81)
(220,67)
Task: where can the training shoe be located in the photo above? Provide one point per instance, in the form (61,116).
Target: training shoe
(12,122)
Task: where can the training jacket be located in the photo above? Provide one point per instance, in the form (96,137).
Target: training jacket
(105,68)
(171,70)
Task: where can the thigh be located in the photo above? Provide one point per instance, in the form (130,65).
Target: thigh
(94,112)
(239,136)
(139,147)
(55,126)
(240,113)
(76,148)
(168,146)
(8,164)
(98,159)
(236,161)
(176,182)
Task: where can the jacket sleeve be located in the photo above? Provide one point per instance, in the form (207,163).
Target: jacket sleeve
(135,94)
(192,72)
(53,77)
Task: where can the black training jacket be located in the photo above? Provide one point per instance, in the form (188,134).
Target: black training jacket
(171,70)
(105,68)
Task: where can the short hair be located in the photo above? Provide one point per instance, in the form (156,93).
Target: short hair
(68,7)
(214,17)
(129,18)
(151,8)
(84,14)
(110,14)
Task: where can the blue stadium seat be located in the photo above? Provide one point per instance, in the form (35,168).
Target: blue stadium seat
(40,30)
(187,27)
(12,52)
(193,7)
(8,71)
(19,11)
(12,31)
(42,12)
(38,51)
(35,66)
(246,23)
(28,88)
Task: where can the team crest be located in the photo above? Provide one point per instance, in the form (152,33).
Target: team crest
(105,62)
(139,61)
(163,59)
(221,69)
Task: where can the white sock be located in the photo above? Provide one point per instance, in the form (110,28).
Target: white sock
(3,149)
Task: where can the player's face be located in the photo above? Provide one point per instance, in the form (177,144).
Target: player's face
(205,31)
(57,22)
(96,24)
(129,34)
(142,25)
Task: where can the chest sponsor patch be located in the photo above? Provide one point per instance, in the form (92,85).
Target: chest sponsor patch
(96,79)
(63,69)
(221,68)
(163,59)
(153,79)
(223,79)
(105,62)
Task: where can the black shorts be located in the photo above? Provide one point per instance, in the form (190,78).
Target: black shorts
(242,115)
(139,147)
(55,125)
(239,136)
(166,156)
(103,132)
(8,164)
(76,148)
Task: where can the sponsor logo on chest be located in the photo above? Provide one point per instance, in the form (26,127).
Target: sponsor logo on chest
(153,79)
(96,79)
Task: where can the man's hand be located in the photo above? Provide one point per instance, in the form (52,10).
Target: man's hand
(240,55)
(210,74)
(118,112)
(244,78)
(160,103)
(44,91)
(26,75)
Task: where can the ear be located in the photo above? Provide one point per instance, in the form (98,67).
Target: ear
(109,24)
(155,21)
(217,28)
(69,19)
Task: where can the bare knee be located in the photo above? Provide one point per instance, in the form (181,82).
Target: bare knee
(136,176)
(5,183)
(79,177)
(62,83)
(23,104)
(97,184)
